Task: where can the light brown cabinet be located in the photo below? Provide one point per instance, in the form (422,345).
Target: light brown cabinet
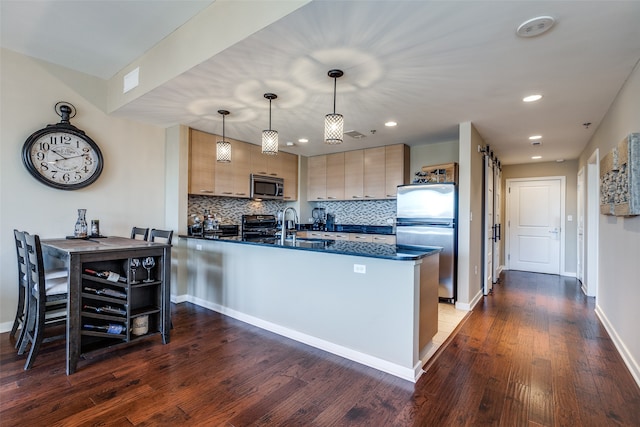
(354,175)
(388,239)
(289,168)
(374,173)
(207,177)
(369,174)
(396,169)
(232,179)
(317,178)
(202,161)
(335,176)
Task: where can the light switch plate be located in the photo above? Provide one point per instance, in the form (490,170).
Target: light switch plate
(359,268)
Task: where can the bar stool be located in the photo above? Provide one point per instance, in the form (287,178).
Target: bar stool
(47,300)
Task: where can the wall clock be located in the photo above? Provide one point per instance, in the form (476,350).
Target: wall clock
(61,155)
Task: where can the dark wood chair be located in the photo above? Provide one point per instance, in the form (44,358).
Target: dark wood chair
(164,236)
(19,320)
(47,301)
(140,233)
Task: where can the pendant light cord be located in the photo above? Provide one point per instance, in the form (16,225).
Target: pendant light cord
(269,113)
(335,80)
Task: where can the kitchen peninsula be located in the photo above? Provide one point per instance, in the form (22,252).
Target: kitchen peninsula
(376,304)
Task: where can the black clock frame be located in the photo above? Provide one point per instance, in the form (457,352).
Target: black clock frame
(63,126)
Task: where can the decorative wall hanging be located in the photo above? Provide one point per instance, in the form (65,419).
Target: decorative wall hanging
(620,178)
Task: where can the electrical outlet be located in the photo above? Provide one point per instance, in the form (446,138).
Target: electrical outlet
(359,268)
(475,270)
(198,247)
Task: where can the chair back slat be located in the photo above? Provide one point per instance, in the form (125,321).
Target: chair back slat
(165,236)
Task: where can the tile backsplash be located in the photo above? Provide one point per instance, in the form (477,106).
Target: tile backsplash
(362,212)
(231,209)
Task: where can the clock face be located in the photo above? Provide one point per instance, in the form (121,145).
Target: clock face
(62,159)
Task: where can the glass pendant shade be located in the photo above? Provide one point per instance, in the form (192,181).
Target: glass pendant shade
(270,137)
(223,148)
(270,142)
(223,151)
(333,128)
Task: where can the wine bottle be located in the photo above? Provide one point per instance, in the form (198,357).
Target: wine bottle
(111,328)
(107,292)
(107,275)
(107,309)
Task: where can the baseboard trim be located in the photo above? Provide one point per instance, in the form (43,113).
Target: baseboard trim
(628,359)
(409,374)
(469,306)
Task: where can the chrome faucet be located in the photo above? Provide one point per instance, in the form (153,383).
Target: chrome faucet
(283,234)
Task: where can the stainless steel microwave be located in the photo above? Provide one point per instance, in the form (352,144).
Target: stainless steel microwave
(267,187)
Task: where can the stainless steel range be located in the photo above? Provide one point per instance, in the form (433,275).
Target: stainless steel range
(258,226)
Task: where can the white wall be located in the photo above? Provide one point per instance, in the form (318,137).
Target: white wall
(619,238)
(130,191)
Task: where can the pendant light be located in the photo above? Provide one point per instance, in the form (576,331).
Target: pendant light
(223,148)
(334,123)
(270,137)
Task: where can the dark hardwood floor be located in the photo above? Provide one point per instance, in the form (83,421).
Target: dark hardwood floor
(531,354)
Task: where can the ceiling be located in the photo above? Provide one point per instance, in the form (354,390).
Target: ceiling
(428,65)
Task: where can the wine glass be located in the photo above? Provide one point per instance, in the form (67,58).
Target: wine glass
(148,264)
(134,265)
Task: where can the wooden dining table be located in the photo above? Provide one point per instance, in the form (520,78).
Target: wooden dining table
(150,298)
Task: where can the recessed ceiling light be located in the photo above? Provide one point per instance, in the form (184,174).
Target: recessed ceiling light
(391,124)
(290,144)
(532,98)
(535,26)
(536,157)
(303,140)
(534,137)
(559,160)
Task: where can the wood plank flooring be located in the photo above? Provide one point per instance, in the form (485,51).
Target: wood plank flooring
(531,354)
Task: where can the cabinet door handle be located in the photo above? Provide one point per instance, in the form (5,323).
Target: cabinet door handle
(393,196)
(330,197)
(241,194)
(320,198)
(262,173)
(360,237)
(369,197)
(356,197)
(227,192)
(273,174)
(206,191)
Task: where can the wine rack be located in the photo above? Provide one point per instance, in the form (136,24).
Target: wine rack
(110,308)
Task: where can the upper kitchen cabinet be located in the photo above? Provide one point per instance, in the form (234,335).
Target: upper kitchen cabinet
(354,175)
(374,173)
(207,177)
(335,176)
(202,161)
(232,179)
(396,168)
(317,178)
(289,165)
(369,174)
(281,165)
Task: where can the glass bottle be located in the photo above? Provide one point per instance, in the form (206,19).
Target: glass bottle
(81,224)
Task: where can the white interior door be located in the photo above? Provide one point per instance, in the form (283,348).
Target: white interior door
(488,225)
(535,220)
(497,206)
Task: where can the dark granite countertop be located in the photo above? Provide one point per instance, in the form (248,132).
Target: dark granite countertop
(343,247)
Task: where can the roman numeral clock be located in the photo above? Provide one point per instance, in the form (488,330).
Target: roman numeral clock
(61,155)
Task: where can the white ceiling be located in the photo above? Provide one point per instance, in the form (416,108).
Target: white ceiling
(428,65)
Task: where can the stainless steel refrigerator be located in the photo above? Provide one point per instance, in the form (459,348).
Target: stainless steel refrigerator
(426,215)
